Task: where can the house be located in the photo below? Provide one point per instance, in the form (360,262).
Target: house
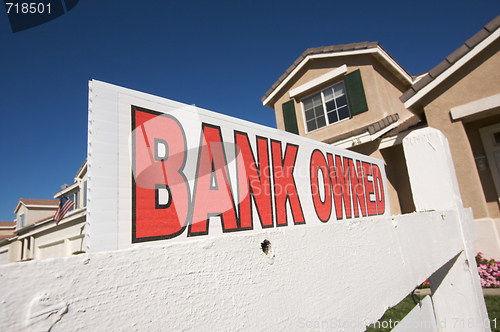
(6,232)
(36,235)
(358,97)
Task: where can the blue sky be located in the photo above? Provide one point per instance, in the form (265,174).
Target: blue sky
(220,55)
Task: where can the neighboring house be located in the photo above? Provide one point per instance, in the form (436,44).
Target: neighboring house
(357,96)
(6,232)
(36,234)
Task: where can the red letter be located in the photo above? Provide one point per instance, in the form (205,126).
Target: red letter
(369,191)
(284,184)
(212,195)
(323,208)
(160,191)
(253,181)
(379,189)
(340,185)
(358,193)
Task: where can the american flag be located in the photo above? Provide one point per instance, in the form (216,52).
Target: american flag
(64,205)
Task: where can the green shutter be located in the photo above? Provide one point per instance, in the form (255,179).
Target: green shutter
(289,117)
(355,93)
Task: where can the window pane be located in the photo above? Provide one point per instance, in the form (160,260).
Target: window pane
(332,117)
(308,104)
(318,111)
(343,113)
(311,125)
(341,101)
(309,115)
(316,100)
(330,106)
(328,94)
(339,89)
(321,122)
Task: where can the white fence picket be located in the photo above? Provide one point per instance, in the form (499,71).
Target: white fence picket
(456,290)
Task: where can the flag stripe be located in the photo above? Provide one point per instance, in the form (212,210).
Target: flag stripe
(64,206)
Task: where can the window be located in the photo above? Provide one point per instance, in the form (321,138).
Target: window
(21,221)
(84,194)
(74,198)
(337,102)
(326,107)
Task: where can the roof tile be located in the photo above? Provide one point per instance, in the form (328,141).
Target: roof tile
(290,69)
(407,95)
(275,85)
(422,82)
(362,45)
(299,60)
(434,72)
(493,25)
(338,48)
(477,38)
(282,77)
(349,47)
(329,48)
(34,201)
(308,51)
(460,52)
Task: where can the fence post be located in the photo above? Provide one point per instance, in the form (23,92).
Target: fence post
(456,289)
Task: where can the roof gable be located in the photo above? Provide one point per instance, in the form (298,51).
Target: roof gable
(335,51)
(32,202)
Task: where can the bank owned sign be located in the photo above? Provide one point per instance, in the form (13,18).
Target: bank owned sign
(162,170)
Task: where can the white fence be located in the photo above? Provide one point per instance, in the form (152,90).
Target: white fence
(338,277)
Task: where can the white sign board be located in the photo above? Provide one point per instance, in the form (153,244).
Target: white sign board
(160,170)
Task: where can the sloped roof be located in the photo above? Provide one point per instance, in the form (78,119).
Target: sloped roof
(371,129)
(451,60)
(336,50)
(7,223)
(36,202)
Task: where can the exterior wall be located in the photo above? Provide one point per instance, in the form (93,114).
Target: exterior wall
(33,215)
(399,189)
(15,250)
(6,232)
(477,80)
(487,184)
(64,242)
(382,91)
(49,240)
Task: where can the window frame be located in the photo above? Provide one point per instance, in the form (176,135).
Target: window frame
(325,114)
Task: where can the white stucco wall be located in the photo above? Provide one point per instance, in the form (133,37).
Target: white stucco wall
(349,271)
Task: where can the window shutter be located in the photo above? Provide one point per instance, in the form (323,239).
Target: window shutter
(355,93)
(289,117)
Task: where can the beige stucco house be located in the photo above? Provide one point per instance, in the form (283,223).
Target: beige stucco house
(358,97)
(37,235)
